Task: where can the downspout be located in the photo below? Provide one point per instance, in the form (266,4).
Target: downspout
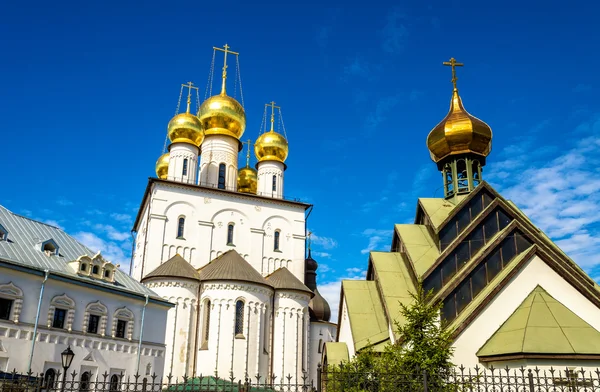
(272,326)
(37,318)
(139,353)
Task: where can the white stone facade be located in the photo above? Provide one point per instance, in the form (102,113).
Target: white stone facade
(320,332)
(270,179)
(183,163)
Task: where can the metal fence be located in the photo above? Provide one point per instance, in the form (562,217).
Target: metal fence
(464,380)
(460,380)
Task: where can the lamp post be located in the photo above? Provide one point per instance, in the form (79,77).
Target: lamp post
(66,357)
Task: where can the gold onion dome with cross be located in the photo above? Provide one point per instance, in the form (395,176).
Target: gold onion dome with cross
(185,127)
(222,114)
(247,180)
(271,146)
(459,132)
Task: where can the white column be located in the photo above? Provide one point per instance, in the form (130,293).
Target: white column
(270,179)
(183,163)
(217,150)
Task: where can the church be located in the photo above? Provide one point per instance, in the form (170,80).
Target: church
(223,244)
(508,294)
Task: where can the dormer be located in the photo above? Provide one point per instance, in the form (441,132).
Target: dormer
(49,247)
(3,233)
(95,267)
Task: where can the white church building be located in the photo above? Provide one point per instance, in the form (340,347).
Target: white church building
(223,244)
(56,293)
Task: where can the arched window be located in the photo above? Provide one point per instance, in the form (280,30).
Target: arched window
(222,169)
(95,270)
(107,273)
(206,324)
(83,267)
(230,234)
(49,379)
(276,240)
(185,165)
(239,318)
(114,383)
(84,382)
(180,226)
(274,183)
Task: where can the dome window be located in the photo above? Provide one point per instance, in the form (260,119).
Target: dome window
(221,184)
(3,234)
(49,247)
(276,236)
(274,183)
(185,167)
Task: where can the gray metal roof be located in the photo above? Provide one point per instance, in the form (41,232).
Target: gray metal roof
(231,266)
(23,248)
(175,267)
(283,279)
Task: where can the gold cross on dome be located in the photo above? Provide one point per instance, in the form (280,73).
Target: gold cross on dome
(273,107)
(247,152)
(452,63)
(189,86)
(226,51)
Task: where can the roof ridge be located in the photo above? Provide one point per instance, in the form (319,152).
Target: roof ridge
(554,317)
(528,315)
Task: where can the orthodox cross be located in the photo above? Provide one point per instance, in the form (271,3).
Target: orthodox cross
(452,63)
(226,51)
(273,107)
(247,152)
(189,86)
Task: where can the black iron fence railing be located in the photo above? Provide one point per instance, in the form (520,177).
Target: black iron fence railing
(459,380)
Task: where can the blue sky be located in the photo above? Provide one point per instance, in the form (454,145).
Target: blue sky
(88,88)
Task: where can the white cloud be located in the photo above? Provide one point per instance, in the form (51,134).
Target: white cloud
(54,223)
(110,250)
(126,218)
(324,255)
(560,193)
(378,239)
(113,233)
(331,290)
(64,202)
(325,242)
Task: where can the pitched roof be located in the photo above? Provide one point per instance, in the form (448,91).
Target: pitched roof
(175,267)
(542,325)
(365,311)
(437,209)
(231,266)
(283,279)
(336,353)
(23,248)
(419,246)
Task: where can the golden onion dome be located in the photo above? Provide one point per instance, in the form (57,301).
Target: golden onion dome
(459,133)
(162,166)
(271,146)
(185,128)
(222,115)
(247,180)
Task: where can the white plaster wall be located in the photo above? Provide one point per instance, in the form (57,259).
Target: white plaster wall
(265,172)
(321,332)
(104,351)
(225,352)
(177,153)
(289,350)
(181,329)
(217,149)
(207,215)
(534,273)
(345,329)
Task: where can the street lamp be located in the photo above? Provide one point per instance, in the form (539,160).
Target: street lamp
(66,357)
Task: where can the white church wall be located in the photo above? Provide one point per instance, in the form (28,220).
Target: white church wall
(225,351)
(289,352)
(265,173)
(321,332)
(216,150)
(345,329)
(100,350)
(535,272)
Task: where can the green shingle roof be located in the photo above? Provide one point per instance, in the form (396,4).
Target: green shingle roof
(437,210)
(542,325)
(419,246)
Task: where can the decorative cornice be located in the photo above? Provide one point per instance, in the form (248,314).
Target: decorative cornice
(159,217)
(174,283)
(237,287)
(205,223)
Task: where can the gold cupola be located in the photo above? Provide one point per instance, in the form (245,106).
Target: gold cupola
(271,146)
(185,127)
(247,180)
(162,166)
(459,132)
(222,114)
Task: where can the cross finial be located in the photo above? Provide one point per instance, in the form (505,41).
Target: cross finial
(226,51)
(189,86)
(309,235)
(452,63)
(247,152)
(273,107)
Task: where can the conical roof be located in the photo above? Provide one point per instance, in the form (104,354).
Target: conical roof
(231,266)
(175,267)
(318,307)
(283,279)
(542,325)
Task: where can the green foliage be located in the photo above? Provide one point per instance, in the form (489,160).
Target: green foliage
(422,346)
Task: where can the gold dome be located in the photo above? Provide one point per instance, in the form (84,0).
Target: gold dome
(185,128)
(222,115)
(162,166)
(459,133)
(247,181)
(271,146)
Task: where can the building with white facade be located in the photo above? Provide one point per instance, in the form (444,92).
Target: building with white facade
(229,250)
(509,296)
(55,293)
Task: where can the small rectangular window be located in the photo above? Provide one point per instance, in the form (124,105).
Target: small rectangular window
(522,242)
(121,327)
(449,308)
(463,219)
(476,206)
(448,267)
(274,183)
(5,307)
(276,240)
(448,234)
(185,167)
(494,265)
(462,254)
(221,184)
(59,318)
(476,240)
(93,323)
(463,295)
(509,250)
(503,219)
(490,226)
(433,282)
(478,279)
